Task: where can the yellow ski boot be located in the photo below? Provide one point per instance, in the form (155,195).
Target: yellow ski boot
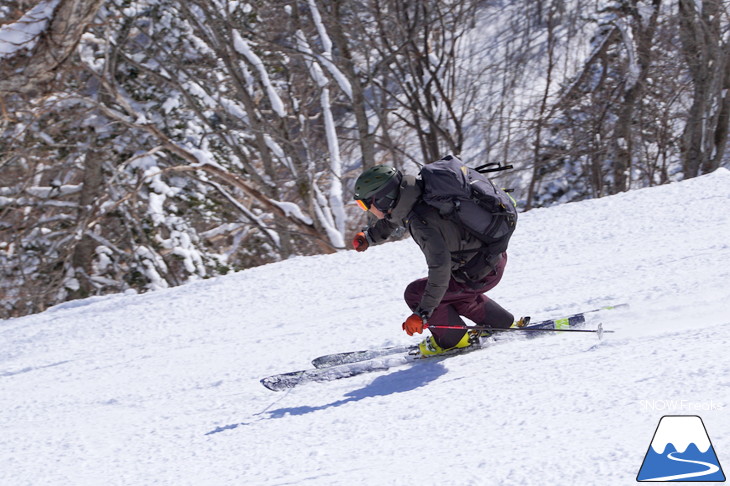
(429,347)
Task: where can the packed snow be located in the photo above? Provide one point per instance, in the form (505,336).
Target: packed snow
(163,388)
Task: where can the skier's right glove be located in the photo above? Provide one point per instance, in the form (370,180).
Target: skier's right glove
(360,242)
(414,324)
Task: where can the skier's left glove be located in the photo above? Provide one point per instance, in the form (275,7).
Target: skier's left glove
(414,324)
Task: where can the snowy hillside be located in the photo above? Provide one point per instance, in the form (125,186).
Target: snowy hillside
(163,388)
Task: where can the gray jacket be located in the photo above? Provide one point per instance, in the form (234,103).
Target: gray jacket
(449,249)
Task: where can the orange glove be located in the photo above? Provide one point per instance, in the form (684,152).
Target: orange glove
(414,324)
(360,242)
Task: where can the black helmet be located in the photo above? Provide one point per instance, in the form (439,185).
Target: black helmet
(378,183)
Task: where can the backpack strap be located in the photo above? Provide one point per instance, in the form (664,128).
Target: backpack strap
(475,266)
(486,168)
(419,211)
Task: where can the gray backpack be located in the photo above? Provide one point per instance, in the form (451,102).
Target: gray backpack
(466,196)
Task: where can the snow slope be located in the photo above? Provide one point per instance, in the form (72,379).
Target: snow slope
(162,388)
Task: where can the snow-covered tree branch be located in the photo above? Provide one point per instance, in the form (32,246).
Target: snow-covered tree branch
(34,47)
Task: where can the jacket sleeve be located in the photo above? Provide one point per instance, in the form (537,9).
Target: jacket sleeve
(438,259)
(380,231)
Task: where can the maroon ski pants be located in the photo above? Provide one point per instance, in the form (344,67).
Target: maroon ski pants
(462,299)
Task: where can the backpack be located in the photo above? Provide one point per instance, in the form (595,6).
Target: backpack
(464,195)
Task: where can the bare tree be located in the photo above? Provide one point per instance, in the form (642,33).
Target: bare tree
(707,54)
(637,30)
(36,60)
(177,140)
(543,106)
(419,43)
(343,20)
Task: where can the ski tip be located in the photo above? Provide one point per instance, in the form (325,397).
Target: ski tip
(275,383)
(283,381)
(269,384)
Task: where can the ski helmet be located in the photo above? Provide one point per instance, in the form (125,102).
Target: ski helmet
(378,186)
(373,180)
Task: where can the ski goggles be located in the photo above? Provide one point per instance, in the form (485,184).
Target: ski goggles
(364,205)
(383,204)
(383,200)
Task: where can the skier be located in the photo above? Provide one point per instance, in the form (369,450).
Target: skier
(460,272)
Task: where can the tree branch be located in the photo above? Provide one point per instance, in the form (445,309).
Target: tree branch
(27,72)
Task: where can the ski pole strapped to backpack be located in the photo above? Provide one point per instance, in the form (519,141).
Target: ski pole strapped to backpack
(467,197)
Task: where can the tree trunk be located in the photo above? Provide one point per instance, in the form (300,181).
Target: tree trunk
(723,117)
(366,138)
(639,46)
(25,72)
(701,40)
(84,251)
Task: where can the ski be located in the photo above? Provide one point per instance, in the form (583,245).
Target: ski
(355,356)
(285,381)
(344,365)
(346,357)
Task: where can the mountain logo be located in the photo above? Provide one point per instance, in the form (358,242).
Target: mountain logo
(681,451)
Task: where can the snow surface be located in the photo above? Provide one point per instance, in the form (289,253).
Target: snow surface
(163,388)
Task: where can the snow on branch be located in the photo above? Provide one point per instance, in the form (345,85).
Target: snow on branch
(326,57)
(580,77)
(24,33)
(33,47)
(314,70)
(293,210)
(242,47)
(336,204)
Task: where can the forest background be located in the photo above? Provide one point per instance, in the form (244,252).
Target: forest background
(148,143)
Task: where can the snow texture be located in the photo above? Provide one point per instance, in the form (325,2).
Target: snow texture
(163,387)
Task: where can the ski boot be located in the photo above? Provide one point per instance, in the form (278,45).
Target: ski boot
(429,346)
